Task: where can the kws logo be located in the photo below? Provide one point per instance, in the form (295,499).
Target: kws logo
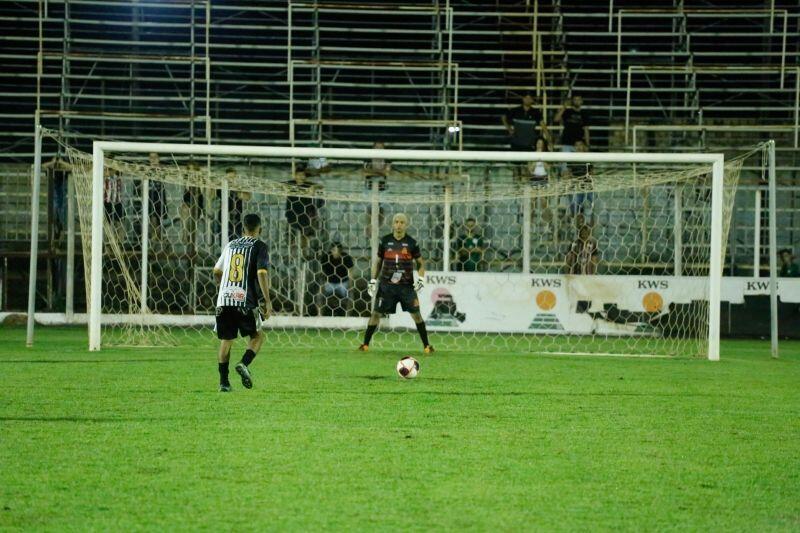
(653,284)
(759,286)
(433,279)
(546,282)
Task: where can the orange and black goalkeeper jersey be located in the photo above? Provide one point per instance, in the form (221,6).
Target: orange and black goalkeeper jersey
(398,259)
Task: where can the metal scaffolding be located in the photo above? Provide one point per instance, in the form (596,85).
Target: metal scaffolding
(195,70)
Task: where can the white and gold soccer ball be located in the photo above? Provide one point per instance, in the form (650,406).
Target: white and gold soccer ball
(408,367)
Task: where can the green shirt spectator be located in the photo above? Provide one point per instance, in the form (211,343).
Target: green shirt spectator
(788,268)
(469,248)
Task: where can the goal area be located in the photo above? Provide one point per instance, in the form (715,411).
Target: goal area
(542,252)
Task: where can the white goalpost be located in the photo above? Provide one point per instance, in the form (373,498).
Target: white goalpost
(605,253)
(712,164)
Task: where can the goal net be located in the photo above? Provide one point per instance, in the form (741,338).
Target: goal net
(537,252)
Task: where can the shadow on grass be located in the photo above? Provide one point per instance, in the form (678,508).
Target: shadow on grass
(538,394)
(98,419)
(90,361)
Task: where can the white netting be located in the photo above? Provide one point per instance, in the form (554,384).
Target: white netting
(618,254)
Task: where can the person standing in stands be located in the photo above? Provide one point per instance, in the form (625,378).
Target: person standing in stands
(575,123)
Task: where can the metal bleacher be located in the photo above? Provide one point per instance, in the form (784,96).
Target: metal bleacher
(710,76)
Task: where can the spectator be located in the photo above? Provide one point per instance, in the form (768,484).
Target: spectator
(521,123)
(236,201)
(58,171)
(539,171)
(193,206)
(539,177)
(158,200)
(377,169)
(302,212)
(788,268)
(583,256)
(336,267)
(580,202)
(112,200)
(470,248)
(574,122)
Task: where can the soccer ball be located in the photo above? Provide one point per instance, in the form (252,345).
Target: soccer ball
(408,367)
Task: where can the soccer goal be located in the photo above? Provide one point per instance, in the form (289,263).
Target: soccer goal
(546,252)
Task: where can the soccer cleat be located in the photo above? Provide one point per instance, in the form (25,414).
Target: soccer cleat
(224,387)
(243,371)
(363,348)
(428,349)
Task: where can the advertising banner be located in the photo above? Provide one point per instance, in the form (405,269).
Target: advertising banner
(577,304)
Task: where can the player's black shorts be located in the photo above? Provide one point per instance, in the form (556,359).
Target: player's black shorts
(389,295)
(234,321)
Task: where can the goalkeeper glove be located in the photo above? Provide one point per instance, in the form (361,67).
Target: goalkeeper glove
(372,288)
(418,283)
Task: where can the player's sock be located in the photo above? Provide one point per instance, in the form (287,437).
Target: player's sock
(369,333)
(423,333)
(248,357)
(223,373)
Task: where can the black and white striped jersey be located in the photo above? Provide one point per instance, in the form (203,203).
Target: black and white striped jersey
(239,263)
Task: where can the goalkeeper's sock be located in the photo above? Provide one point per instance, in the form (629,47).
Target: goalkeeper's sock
(369,333)
(423,333)
(248,357)
(223,373)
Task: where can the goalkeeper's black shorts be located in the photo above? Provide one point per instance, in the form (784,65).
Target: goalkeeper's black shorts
(389,295)
(233,321)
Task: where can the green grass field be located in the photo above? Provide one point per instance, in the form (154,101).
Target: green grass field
(129,439)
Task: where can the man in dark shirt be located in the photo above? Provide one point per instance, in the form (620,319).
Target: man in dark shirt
(193,206)
(521,123)
(583,255)
(336,265)
(302,212)
(788,268)
(157,198)
(397,253)
(582,201)
(575,123)
(236,201)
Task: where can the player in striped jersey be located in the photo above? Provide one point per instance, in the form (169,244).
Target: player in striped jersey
(241,273)
(397,254)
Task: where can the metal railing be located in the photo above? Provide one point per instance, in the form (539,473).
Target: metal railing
(719,128)
(757,71)
(684,14)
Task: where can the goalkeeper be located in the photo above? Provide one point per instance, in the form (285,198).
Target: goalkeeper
(397,253)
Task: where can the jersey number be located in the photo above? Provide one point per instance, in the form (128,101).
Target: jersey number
(237,268)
